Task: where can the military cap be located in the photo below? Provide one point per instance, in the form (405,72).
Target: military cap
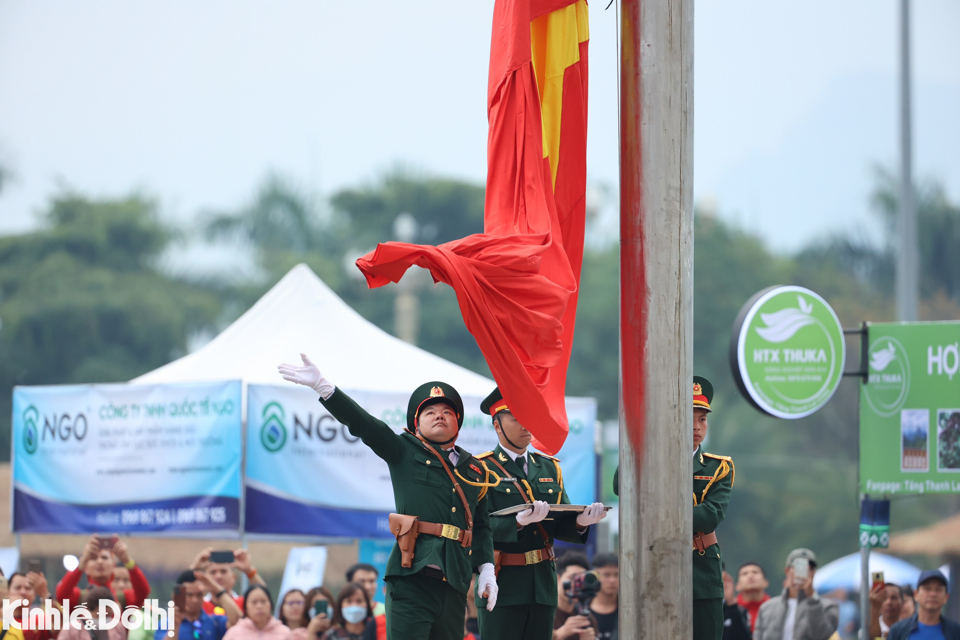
(430,393)
(702,393)
(493,403)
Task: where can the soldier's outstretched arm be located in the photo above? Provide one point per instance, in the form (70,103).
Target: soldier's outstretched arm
(374,433)
(708,512)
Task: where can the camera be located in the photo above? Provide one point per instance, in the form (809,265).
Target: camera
(581,589)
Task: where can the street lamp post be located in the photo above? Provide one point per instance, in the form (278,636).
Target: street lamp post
(406,305)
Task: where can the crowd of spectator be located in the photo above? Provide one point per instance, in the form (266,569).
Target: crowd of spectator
(800,613)
(208,607)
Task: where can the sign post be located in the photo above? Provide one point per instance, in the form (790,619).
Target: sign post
(874,534)
(874,523)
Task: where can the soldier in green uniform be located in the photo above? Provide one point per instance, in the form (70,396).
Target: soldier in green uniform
(713,477)
(523,544)
(440,484)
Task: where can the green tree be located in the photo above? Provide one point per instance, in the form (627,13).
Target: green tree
(81,299)
(284,229)
(444,209)
(594,360)
(873,266)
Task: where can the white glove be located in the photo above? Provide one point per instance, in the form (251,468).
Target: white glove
(593,514)
(308,375)
(536,513)
(487,585)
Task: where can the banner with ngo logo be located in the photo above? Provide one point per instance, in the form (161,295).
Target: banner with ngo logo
(910,409)
(127,458)
(307,476)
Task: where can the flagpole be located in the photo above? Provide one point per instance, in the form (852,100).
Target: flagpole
(656,319)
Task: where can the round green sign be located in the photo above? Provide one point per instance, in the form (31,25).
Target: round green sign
(787,351)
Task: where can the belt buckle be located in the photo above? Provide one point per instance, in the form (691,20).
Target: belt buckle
(450,532)
(533,557)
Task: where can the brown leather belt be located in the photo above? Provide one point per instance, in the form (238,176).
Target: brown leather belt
(530,557)
(703,540)
(448,531)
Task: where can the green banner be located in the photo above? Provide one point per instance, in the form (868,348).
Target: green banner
(910,410)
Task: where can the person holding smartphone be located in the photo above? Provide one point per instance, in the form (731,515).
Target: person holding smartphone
(886,603)
(798,613)
(317,615)
(220,566)
(97,562)
(190,621)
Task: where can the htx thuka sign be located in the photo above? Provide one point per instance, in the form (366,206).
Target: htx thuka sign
(787,351)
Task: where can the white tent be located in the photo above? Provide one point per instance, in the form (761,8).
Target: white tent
(302,314)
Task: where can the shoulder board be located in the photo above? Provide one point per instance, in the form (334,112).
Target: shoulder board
(717,457)
(543,455)
(486,454)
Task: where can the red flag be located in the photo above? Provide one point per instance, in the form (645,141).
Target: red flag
(516,283)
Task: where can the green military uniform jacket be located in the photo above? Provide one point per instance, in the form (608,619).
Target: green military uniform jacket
(713,477)
(422,488)
(536,583)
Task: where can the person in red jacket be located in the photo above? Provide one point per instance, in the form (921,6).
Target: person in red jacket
(751,590)
(97,562)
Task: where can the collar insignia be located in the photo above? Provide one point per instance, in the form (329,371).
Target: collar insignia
(436,392)
(502,457)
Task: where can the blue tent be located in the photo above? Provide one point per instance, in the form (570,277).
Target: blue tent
(844,573)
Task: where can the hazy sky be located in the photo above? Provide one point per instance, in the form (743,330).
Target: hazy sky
(195,102)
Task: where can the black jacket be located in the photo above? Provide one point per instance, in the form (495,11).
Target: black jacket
(903,629)
(736,623)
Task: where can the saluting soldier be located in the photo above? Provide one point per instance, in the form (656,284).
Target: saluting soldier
(713,477)
(443,526)
(523,544)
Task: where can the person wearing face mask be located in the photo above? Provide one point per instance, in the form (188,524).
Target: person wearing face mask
(352,616)
(442,524)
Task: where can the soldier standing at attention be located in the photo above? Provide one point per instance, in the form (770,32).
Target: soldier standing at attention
(443,527)
(713,477)
(523,544)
